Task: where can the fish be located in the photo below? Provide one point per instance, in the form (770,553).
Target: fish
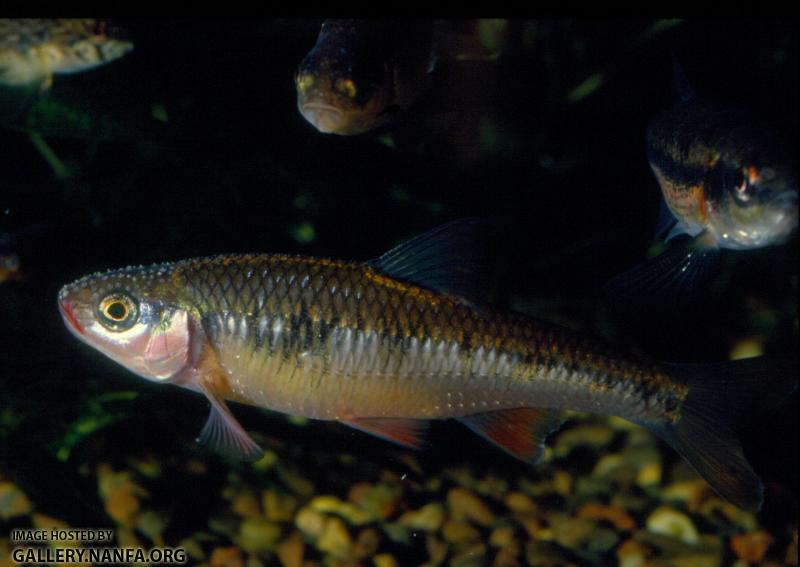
(387,345)
(728,182)
(361,75)
(362,72)
(32,50)
(16,244)
(9,267)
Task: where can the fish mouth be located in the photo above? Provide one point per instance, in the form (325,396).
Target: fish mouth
(69,316)
(325,117)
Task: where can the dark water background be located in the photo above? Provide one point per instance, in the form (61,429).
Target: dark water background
(235,168)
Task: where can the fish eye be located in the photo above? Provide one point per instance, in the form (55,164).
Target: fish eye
(117,311)
(346,87)
(304,81)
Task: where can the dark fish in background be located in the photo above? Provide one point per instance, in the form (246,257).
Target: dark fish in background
(9,266)
(387,345)
(728,181)
(15,244)
(33,50)
(361,74)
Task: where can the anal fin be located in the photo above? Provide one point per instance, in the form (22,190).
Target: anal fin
(403,431)
(520,432)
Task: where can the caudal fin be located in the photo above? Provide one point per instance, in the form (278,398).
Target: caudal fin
(721,398)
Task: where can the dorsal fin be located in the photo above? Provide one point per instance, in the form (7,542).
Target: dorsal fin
(452,258)
(683,89)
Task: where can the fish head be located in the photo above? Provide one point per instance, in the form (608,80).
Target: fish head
(757,204)
(345,83)
(127,315)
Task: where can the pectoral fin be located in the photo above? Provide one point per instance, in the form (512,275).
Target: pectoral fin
(224,434)
(673,277)
(521,432)
(406,432)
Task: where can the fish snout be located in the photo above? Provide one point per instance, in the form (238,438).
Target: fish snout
(325,117)
(66,306)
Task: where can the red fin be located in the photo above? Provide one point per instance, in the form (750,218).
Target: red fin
(224,434)
(521,432)
(406,432)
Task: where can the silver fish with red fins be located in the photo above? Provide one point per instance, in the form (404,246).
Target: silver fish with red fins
(389,344)
(32,50)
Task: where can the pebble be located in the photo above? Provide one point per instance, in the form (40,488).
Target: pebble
(295,482)
(244,502)
(631,553)
(379,501)
(384,560)
(593,435)
(290,551)
(258,536)
(544,554)
(520,502)
(367,543)
(397,533)
(193,549)
(122,506)
(791,550)
(617,516)
(649,475)
(310,522)
(437,549)
(459,532)
(724,514)
(278,507)
(584,537)
(502,536)
(493,486)
(669,522)
(751,547)
(335,539)
(227,524)
(13,501)
(347,510)
(473,556)
(464,503)
(506,558)
(266,462)
(226,557)
(152,525)
(691,493)
(429,518)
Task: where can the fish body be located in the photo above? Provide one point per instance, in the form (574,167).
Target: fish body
(371,345)
(33,50)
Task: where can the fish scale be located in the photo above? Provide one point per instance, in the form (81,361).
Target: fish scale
(408,334)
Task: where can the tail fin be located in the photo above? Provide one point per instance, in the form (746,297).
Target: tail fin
(722,397)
